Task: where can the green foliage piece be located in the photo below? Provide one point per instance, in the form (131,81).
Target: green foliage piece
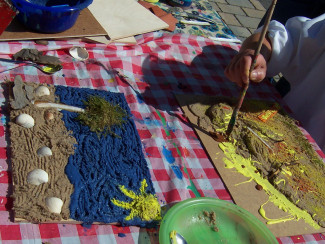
(100,115)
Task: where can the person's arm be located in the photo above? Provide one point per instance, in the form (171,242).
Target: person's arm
(295,48)
(238,69)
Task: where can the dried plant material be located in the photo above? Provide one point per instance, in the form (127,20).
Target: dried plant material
(101,115)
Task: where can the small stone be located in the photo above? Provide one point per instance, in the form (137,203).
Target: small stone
(48,115)
(42,42)
(259,187)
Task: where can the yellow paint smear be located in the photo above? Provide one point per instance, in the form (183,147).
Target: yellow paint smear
(236,161)
(172,237)
(143,205)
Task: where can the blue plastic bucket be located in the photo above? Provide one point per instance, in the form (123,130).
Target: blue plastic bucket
(49,16)
(180,3)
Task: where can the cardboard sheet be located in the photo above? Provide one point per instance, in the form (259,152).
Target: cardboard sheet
(86,25)
(125,18)
(106,40)
(245,195)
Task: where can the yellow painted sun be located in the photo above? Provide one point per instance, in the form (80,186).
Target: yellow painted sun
(144,205)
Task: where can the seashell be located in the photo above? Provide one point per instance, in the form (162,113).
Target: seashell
(54,204)
(48,115)
(79,53)
(37,177)
(42,91)
(44,151)
(25,120)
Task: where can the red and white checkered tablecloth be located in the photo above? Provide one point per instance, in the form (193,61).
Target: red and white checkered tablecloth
(156,67)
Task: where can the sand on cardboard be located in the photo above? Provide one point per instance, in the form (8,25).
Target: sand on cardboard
(29,200)
(292,160)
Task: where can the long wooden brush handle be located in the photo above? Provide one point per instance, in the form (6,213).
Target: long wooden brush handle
(256,53)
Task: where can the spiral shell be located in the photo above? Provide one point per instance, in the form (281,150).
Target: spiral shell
(25,120)
(37,177)
(54,204)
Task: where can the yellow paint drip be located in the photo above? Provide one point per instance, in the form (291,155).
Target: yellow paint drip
(285,171)
(236,161)
(145,206)
(227,119)
(279,181)
(172,237)
(222,121)
(274,221)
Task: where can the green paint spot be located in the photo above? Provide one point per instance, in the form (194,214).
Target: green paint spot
(163,122)
(191,187)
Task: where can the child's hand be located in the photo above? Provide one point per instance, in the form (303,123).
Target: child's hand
(238,69)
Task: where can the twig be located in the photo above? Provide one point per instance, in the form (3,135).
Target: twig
(260,138)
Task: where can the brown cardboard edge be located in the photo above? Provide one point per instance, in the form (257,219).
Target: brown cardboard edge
(86,25)
(242,194)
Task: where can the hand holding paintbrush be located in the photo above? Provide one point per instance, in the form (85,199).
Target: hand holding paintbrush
(255,56)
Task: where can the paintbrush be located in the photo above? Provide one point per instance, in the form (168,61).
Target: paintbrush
(256,53)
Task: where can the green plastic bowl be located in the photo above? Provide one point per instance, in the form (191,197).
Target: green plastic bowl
(234,224)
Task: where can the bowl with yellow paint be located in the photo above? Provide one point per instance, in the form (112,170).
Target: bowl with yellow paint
(210,220)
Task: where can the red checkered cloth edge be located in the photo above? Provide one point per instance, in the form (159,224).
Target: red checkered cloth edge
(154,69)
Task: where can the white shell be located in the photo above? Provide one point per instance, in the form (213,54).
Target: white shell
(25,120)
(44,151)
(42,91)
(37,177)
(54,204)
(79,53)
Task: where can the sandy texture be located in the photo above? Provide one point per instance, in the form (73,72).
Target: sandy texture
(29,200)
(276,147)
(36,56)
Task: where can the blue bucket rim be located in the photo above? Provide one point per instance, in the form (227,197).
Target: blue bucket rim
(84,5)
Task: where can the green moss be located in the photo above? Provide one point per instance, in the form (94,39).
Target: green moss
(101,115)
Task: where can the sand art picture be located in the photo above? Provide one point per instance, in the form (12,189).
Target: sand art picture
(77,157)
(268,148)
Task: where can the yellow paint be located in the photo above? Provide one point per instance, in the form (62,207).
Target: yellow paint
(145,206)
(285,171)
(279,181)
(223,122)
(244,182)
(273,221)
(268,114)
(172,237)
(233,160)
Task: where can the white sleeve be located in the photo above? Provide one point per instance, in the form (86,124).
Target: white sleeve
(296,45)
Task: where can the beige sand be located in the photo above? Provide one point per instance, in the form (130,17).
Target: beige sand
(29,200)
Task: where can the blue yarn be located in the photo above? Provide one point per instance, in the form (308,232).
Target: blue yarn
(100,165)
